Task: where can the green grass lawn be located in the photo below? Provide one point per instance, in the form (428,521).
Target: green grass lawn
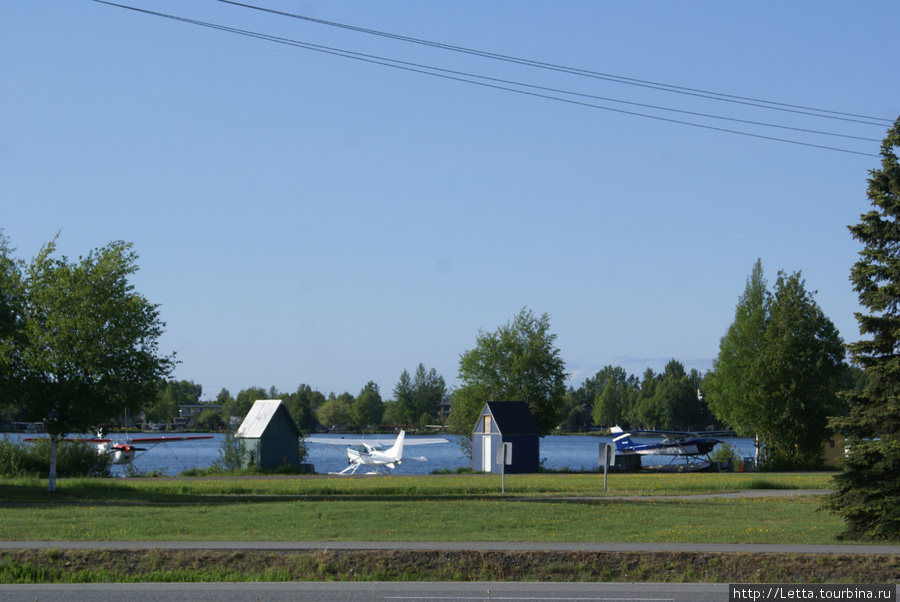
(433,508)
(536,508)
(549,485)
(746,520)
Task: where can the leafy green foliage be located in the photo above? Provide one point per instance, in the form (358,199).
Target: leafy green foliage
(231,454)
(171,395)
(778,371)
(730,399)
(336,410)
(612,394)
(75,459)
(867,493)
(517,362)
(367,408)
(84,345)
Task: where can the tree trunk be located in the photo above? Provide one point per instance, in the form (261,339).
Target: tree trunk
(54,443)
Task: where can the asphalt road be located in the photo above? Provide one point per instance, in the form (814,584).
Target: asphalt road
(370,592)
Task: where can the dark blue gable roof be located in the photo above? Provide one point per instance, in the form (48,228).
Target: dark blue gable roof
(513,418)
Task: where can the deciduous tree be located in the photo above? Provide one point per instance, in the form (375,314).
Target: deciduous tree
(729,395)
(368,407)
(84,347)
(171,395)
(517,362)
(614,391)
(778,371)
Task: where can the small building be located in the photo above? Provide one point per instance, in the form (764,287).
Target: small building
(506,422)
(834,450)
(270,435)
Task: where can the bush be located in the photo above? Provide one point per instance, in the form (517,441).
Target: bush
(723,453)
(231,454)
(32,459)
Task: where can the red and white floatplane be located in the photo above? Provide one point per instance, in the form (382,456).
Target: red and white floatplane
(124,451)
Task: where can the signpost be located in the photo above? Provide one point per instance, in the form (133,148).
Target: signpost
(607,459)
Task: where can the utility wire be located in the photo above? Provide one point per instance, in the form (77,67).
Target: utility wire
(462,77)
(766,104)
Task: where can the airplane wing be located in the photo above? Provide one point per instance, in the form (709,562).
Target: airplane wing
(384,442)
(135,440)
(425,441)
(169,439)
(661,433)
(94,440)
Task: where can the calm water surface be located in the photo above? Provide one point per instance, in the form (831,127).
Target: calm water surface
(574,452)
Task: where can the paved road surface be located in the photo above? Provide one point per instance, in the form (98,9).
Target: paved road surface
(370,592)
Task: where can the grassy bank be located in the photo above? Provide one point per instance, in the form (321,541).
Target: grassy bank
(435,508)
(745,520)
(445,486)
(81,566)
(539,508)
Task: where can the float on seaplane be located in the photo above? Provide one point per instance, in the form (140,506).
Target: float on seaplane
(681,445)
(124,451)
(373,455)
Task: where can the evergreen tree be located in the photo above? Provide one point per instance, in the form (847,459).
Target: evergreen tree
(867,493)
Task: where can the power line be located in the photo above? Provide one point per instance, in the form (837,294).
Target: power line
(767,104)
(504,85)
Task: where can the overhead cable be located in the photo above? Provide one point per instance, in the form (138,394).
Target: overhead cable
(501,84)
(766,104)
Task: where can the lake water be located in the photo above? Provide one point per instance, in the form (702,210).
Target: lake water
(575,452)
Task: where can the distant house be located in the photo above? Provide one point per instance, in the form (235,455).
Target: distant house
(506,422)
(834,450)
(270,435)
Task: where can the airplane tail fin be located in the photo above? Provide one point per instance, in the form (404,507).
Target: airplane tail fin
(396,450)
(621,438)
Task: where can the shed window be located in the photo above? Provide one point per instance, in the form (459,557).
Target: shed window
(487,423)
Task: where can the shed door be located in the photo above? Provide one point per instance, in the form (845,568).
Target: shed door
(486,454)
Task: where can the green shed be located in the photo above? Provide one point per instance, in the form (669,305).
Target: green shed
(270,435)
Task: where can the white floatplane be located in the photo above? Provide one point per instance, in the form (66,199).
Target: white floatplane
(373,454)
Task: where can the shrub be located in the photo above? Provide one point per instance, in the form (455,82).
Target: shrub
(73,459)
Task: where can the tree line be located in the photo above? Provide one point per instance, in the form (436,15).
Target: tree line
(78,346)
(416,402)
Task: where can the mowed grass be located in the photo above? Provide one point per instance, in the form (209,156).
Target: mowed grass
(742,520)
(433,508)
(546,485)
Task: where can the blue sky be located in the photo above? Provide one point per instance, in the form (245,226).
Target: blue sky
(303,217)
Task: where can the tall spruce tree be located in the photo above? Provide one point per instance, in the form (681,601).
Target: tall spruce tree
(867,492)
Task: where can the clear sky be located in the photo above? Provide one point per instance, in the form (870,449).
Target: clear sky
(304,217)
